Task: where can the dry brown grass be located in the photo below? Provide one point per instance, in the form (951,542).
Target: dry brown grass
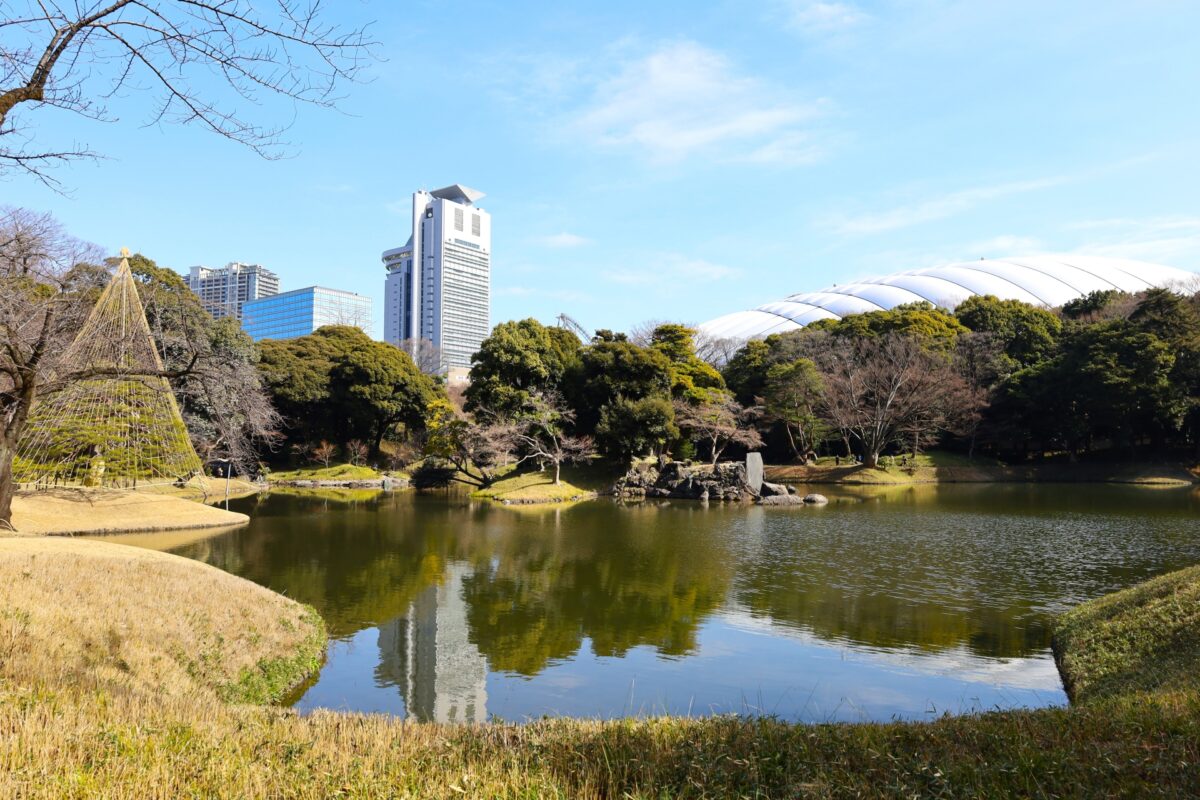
(96,511)
(87,615)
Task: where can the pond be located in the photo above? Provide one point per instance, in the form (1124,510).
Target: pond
(902,603)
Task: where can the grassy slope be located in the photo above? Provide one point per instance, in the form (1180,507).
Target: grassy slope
(97,511)
(532,486)
(939,467)
(129,622)
(1144,639)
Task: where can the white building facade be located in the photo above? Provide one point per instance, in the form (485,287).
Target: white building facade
(224,291)
(438,285)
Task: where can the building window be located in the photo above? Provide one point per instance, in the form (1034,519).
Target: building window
(475,225)
(458,219)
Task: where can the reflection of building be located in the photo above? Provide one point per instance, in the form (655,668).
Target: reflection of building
(426,654)
(301,311)
(224,291)
(438,285)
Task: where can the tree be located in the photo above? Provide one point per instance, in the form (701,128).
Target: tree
(630,428)
(541,434)
(719,422)
(615,369)
(426,354)
(75,56)
(338,383)
(746,373)
(691,378)
(516,359)
(933,328)
(793,396)
(881,389)
(377,386)
(1026,334)
(473,448)
(357,452)
(324,453)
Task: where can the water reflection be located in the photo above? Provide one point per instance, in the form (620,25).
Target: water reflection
(882,604)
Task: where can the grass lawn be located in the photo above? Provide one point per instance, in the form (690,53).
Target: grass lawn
(334,472)
(532,486)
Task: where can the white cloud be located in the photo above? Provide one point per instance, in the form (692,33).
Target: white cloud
(673,270)
(1005,245)
(815,17)
(1172,240)
(910,214)
(684,100)
(562,240)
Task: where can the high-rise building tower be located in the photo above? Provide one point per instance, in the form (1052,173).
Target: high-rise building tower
(224,291)
(438,285)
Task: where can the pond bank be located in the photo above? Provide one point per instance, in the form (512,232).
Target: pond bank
(76,512)
(72,725)
(961,470)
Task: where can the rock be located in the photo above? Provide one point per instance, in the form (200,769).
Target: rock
(772,489)
(782,500)
(816,499)
(754,472)
(791,489)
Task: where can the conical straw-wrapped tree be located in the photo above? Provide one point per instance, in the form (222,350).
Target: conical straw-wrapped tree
(121,425)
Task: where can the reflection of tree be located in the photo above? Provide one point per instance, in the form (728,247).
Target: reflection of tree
(357,568)
(650,582)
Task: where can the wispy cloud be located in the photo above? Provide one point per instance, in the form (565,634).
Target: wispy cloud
(930,210)
(809,17)
(561,240)
(1172,240)
(684,100)
(674,270)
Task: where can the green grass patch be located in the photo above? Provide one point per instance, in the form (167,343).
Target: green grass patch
(534,486)
(1144,639)
(272,678)
(334,472)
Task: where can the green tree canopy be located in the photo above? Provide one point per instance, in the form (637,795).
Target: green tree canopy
(516,359)
(1026,333)
(630,428)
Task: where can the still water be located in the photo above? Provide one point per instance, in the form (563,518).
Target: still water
(905,603)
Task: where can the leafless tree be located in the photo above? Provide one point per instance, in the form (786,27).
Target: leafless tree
(715,350)
(426,354)
(77,56)
(719,423)
(44,298)
(323,453)
(540,434)
(881,390)
(357,451)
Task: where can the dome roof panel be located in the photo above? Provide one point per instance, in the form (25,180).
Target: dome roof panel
(1043,280)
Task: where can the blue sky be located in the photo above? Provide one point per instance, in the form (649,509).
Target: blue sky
(681,160)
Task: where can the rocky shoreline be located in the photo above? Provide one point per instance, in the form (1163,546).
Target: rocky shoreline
(725,482)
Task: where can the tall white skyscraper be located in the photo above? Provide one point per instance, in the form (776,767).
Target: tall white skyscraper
(439,285)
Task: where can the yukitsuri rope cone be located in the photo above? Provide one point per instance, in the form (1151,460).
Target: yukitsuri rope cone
(119,429)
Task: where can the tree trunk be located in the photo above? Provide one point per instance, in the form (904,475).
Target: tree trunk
(557,472)
(7,487)
(870,458)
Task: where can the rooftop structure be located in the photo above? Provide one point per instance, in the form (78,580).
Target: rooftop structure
(301,311)
(224,291)
(1040,280)
(438,285)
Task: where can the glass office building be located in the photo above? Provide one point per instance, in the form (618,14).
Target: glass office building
(302,311)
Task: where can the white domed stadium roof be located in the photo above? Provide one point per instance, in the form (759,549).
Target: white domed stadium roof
(1039,280)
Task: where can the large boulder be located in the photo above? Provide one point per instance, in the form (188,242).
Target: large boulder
(772,489)
(815,499)
(782,500)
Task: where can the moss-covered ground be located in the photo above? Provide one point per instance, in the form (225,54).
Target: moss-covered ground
(577,482)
